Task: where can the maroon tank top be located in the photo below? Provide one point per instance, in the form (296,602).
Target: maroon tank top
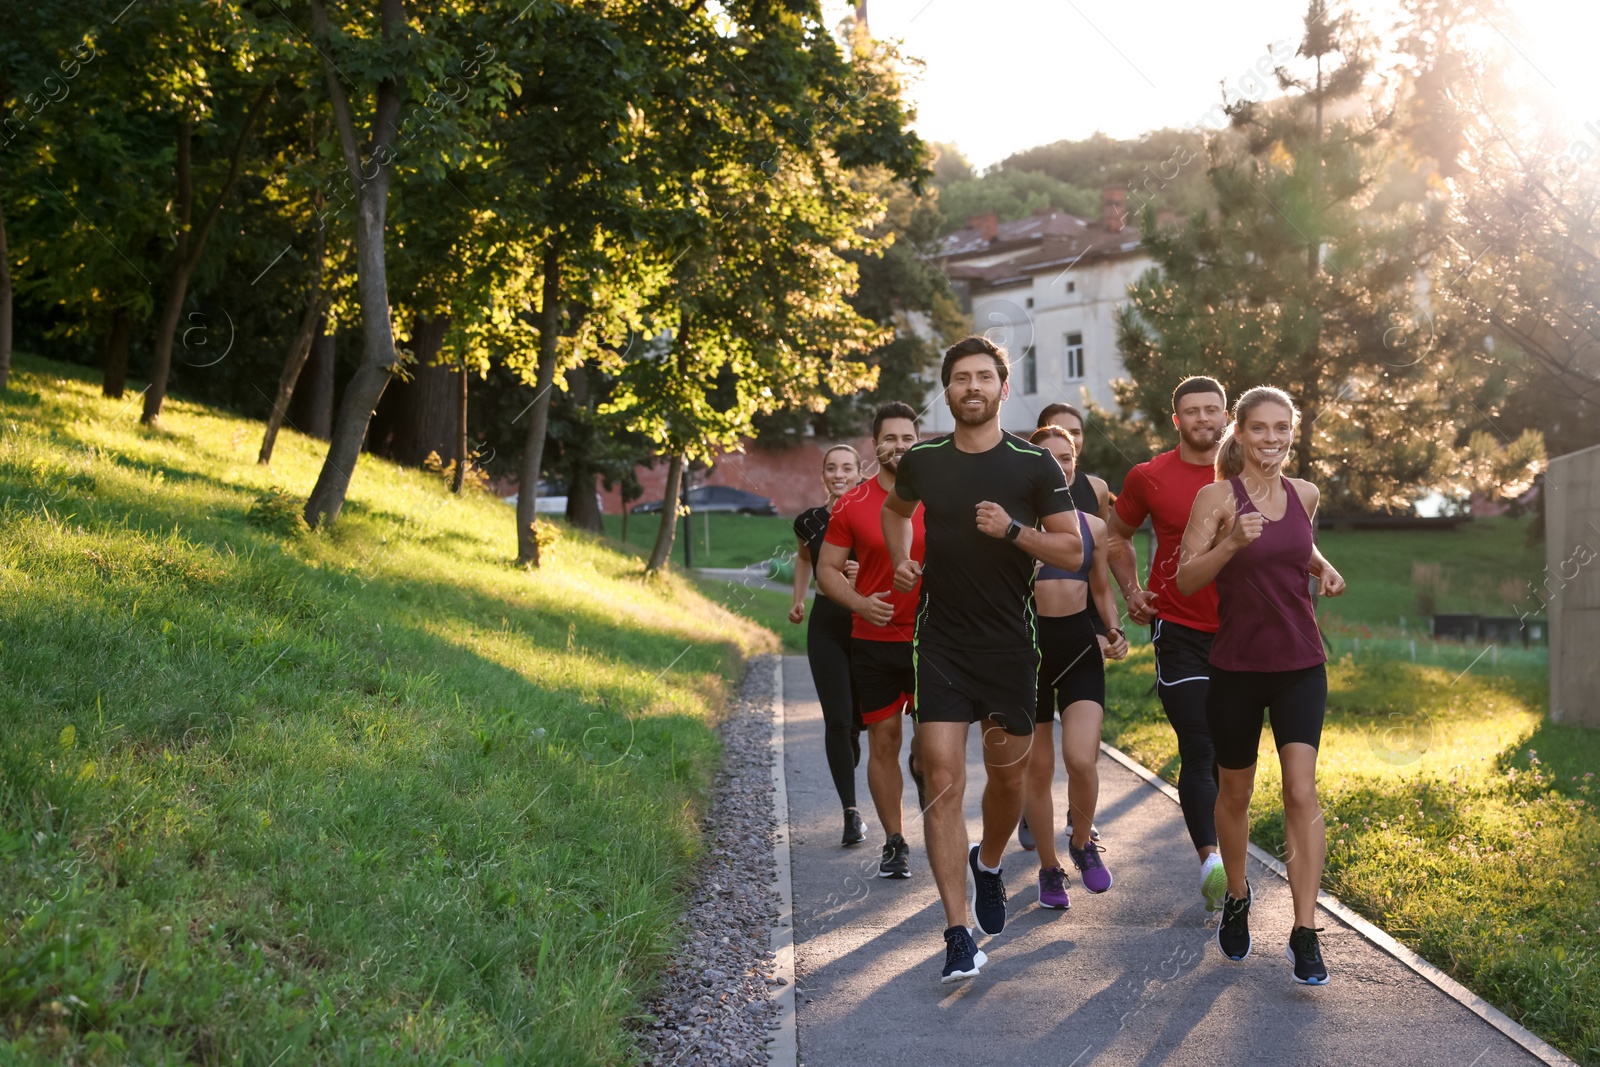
(1266,622)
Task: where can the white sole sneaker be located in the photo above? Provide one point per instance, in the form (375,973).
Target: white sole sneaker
(978,960)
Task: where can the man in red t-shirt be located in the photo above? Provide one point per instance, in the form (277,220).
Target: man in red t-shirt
(881,664)
(1181,627)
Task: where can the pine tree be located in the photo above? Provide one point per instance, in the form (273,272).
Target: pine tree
(1314,274)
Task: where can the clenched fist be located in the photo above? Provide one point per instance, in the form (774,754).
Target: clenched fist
(1247,527)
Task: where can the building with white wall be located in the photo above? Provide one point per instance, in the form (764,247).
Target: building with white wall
(1046,288)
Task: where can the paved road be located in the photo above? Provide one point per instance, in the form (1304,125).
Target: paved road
(1129,977)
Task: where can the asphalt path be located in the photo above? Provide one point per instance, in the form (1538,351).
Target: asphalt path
(1132,976)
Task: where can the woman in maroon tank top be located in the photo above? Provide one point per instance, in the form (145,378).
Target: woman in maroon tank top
(1251,533)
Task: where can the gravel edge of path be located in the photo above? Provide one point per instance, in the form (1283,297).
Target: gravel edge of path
(716,1004)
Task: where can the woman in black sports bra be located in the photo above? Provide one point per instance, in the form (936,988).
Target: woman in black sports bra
(828,638)
(1072,680)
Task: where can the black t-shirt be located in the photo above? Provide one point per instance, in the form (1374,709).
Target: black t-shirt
(1084,498)
(811,526)
(977,590)
(1088,501)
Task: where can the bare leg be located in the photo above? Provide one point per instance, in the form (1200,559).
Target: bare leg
(1080,750)
(883,772)
(1305,834)
(1005,758)
(1037,803)
(1233,823)
(941,751)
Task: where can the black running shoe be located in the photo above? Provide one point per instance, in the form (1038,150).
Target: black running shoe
(1306,955)
(988,896)
(922,786)
(896,862)
(855,831)
(962,956)
(1233,932)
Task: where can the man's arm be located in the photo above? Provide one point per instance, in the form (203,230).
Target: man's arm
(897,534)
(1120,553)
(831,579)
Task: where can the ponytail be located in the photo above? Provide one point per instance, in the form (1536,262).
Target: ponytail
(1230,455)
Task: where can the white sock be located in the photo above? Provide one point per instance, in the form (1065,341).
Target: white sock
(987,870)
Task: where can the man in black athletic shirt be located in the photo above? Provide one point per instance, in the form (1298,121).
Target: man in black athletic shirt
(983,492)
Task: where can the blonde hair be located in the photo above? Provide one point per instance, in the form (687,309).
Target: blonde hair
(842,448)
(1230,455)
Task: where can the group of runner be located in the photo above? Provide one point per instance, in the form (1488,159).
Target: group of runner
(969,580)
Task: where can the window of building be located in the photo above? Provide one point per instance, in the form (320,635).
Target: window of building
(1030,371)
(1030,301)
(1072,287)
(1073,361)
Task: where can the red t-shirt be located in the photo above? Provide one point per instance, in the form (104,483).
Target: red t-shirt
(1164,488)
(857,522)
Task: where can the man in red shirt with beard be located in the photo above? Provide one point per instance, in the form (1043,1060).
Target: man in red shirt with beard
(1181,627)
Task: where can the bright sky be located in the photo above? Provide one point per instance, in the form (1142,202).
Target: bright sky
(1009,74)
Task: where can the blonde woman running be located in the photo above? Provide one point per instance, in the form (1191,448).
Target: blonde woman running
(828,638)
(1251,533)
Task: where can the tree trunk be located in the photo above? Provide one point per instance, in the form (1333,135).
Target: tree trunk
(418,418)
(299,351)
(5,305)
(116,355)
(533,447)
(312,408)
(190,247)
(378,358)
(459,482)
(669,516)
(583,509)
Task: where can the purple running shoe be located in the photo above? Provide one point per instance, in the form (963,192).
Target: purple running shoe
(1096,879)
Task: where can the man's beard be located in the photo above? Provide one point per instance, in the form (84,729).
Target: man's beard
(1214,436)
(968,417)
(890,461)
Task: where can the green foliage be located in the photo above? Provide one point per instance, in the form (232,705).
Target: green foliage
(276,510)
(1314,275)
(371,788)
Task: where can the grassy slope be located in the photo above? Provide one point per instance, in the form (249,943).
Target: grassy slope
(372,795)
(1441,828)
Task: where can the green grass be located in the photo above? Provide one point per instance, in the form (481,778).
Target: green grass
(1442,827)
(735,540)
(1487,565)
(765,607)
(368,795)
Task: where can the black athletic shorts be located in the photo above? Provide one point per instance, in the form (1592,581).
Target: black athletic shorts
(1071,667)
(968,686)
(885,680)
(1183,654)
(1296,701)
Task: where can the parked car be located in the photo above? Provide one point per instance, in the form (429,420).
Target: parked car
(551,499)
(705,498)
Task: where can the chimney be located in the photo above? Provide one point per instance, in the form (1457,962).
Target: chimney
(1114,208)
(987,225)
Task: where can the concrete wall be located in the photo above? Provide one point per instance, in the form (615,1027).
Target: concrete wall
(1571,585)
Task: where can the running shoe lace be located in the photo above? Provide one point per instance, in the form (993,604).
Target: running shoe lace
(954,950)
(1305,944)
(1055,880)
(1233,914)
(993,890)
(1091,855)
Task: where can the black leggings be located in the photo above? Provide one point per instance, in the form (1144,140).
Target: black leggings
(1183,674)
(828,650)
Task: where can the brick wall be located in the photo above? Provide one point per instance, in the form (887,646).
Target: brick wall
(792,477)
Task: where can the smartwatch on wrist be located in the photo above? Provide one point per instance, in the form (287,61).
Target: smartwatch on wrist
(1014,530)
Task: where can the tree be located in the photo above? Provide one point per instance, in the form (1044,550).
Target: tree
(397,62)
(1315,274)
(758,300)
